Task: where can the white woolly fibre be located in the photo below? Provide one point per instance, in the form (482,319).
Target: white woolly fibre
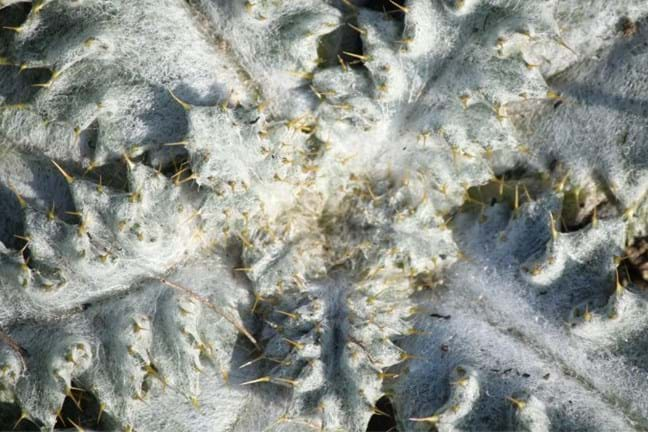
(290,215)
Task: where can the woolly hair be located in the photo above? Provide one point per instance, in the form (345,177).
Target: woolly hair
(358,215)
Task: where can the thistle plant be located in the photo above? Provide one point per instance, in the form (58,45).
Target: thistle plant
(358,215)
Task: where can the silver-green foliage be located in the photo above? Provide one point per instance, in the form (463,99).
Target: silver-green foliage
(270,215)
